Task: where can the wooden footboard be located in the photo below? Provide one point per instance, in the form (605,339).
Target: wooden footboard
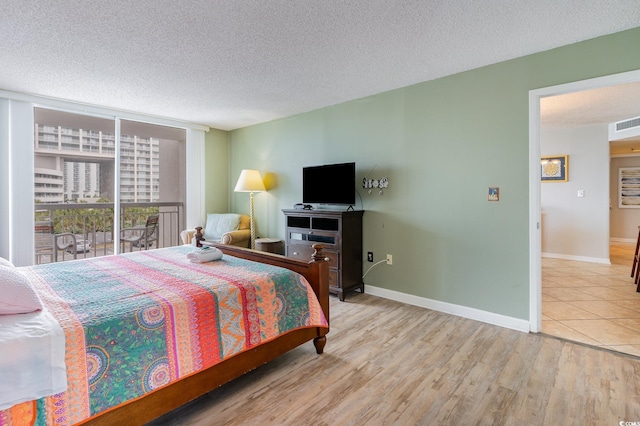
(163,400)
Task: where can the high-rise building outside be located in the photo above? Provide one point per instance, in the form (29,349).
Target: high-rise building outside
(76,165)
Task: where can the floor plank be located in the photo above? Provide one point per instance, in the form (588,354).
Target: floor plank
(390,363)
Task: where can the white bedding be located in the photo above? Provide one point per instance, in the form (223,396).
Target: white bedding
(32,355)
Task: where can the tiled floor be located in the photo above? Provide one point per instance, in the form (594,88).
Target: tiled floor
(592,303)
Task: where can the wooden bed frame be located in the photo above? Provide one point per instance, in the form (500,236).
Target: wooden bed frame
(166,399)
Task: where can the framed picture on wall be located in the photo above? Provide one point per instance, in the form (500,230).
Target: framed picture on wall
(554,168)
(629,187)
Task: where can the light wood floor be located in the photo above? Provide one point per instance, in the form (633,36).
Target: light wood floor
(388,363)
(591,303)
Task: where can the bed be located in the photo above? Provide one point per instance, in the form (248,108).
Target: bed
(168,360)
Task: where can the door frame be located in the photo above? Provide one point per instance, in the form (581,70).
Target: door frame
(535,235)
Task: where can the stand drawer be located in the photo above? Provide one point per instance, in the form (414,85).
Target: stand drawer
(334,278)
(304,252)
(303,236)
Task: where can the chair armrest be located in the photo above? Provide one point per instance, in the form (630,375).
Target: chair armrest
(63,246)
(58,246)
(136,228)
(238,237)
(187,236)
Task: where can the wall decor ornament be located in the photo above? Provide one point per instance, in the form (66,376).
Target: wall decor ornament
(371,184)
(554,168)
(380,184)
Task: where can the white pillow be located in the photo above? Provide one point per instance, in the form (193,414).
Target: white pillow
(16,294)
(5,262)
(219,224)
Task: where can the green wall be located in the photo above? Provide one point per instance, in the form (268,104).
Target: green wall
(217,171)
(442,143)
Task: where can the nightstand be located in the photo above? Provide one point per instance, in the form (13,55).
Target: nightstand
(270,245)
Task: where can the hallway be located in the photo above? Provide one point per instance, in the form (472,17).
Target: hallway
(593,303)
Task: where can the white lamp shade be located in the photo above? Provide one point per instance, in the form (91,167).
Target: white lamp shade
(250,181)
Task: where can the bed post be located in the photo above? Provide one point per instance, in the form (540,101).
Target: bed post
(323,292)
(199,236)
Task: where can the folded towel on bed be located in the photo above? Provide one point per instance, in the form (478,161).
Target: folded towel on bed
(204,254)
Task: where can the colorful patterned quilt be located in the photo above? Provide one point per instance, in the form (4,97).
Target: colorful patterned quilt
(139,321)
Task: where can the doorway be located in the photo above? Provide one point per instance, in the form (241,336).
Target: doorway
(534,177)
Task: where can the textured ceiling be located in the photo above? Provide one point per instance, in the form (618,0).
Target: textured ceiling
(233,63)
(597,106)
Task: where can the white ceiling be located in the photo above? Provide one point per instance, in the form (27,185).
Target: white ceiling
(233,63)
(597,106)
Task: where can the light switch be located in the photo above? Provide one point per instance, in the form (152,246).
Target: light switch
(580,193)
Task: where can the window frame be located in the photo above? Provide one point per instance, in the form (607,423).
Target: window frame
(17,142)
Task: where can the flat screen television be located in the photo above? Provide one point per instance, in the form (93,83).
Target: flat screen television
(329,184)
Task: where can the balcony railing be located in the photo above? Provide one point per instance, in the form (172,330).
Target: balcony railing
(88,228)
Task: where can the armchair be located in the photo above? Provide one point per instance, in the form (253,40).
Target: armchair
(47,242)
(142,236)
(226,228)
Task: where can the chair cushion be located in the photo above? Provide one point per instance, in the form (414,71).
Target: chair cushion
(245,222)
(219,224)
(16,294)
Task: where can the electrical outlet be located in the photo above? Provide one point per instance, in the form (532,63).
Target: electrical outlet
(370,256)
(389,259)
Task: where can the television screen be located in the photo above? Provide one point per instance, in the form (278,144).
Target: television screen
(329,184)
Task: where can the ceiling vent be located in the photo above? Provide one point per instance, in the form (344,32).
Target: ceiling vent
(627,124)
(624,129)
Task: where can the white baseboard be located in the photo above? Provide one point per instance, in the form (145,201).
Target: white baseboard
(449,308)
(577,258)
(622,240)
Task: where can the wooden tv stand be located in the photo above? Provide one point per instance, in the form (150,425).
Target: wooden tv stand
(341,234)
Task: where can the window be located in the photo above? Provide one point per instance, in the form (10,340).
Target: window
(75,174)
(18,172)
